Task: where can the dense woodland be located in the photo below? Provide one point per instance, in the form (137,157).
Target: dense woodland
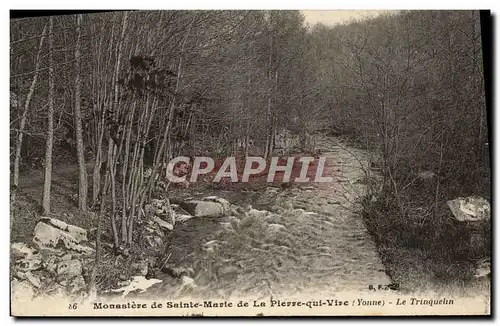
(124,91)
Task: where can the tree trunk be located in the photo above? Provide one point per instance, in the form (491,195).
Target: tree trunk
(101,99)
(115,110)
(24,117)
(269,101)
(82,172)
(92,286)
(50,125)
(247,139)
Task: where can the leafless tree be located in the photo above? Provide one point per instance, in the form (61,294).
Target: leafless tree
(50,124)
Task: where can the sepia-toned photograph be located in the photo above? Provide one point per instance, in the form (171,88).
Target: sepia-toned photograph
(250,163)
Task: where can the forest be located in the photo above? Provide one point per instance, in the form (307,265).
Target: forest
(109,98)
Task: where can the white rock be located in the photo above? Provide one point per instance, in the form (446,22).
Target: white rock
(258,213)
(274,227)
(224,202)
(49,264)
(48,236)
(227,226)
(228,270)
(21,249)
(154,241)
(200,208)
(157,202)
(18,274)
(470,208)
(211,244)
(77,232)
(163,224)
(154,229)
(483,268)
(26,265)
(182,217)
(66,257)
(426,175)
(70,267)
(329,223)
(234,219)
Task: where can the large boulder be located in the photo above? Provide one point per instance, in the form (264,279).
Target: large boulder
(55,234)
(224,202)
(201,208)
(60,262)
(77,232)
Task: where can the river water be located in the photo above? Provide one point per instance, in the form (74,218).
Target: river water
(305,239)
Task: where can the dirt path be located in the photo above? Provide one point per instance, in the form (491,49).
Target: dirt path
(312,240)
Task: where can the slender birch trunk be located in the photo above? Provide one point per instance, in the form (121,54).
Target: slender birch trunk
(82,171)
(267,154)
(50,125)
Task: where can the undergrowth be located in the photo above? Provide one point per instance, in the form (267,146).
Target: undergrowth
(421,252)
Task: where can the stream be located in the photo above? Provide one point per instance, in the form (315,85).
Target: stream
(305,239)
